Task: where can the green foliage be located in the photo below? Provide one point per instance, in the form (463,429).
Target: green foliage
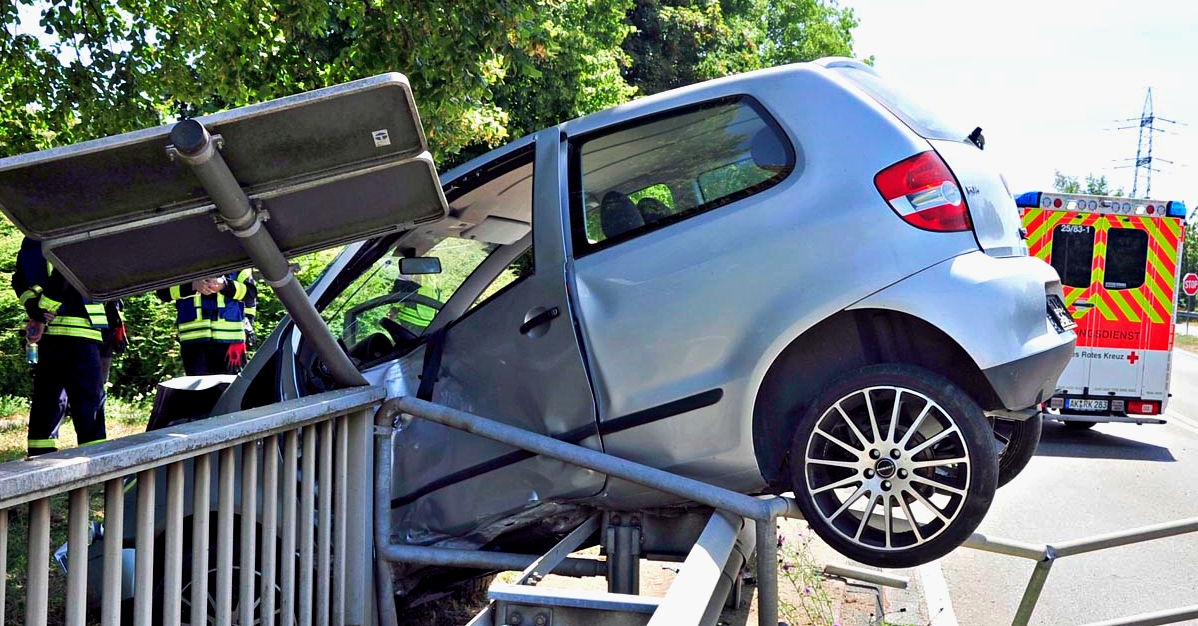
(679,42)
(483,72)
(1095,186)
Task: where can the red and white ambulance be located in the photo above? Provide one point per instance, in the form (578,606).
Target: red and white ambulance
(1118,259)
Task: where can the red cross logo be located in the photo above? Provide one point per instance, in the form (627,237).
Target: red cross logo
(1133,357)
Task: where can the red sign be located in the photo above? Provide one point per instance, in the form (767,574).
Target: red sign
(1189,284)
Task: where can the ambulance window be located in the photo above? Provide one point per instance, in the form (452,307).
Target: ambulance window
(1073,253)
(1126,258)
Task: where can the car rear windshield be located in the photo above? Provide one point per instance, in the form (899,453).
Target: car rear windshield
(921,120)
(1073,254)
(1126,258)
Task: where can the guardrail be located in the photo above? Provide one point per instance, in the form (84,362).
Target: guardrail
(1045,555)
(320,576)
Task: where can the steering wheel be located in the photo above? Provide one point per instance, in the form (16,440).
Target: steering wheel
(400,336)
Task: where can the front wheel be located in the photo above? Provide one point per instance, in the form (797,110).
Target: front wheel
(893,465)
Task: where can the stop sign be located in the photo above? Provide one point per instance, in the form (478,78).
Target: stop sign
(1189,284)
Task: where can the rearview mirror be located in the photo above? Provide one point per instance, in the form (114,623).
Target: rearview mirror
(420,265)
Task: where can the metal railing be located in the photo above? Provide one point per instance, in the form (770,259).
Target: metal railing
(1045,555)
(765,511)
(239,509)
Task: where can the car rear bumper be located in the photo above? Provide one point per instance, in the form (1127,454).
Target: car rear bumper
(1030,380)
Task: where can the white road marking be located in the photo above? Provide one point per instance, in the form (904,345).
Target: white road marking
(935,591)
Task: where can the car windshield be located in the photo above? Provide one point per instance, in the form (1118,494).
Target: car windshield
(384,293)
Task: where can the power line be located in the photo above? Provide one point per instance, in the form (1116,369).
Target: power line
(1143,163)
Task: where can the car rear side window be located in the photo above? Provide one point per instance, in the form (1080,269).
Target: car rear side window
(663,169)
(1126,258)
(1073,253)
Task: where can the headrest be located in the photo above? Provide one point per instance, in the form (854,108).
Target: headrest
(618,215)
(652,209)
(768,151)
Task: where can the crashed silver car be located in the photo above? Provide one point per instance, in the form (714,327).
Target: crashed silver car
(795,280)
(791,280)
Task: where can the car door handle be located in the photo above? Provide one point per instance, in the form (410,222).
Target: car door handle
(538,319)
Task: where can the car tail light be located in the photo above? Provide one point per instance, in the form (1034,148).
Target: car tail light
(1144,408)
(923,192)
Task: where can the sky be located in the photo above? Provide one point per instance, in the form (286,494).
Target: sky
(1048,80)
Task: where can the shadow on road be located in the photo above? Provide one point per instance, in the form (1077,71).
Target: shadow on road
(1091,444)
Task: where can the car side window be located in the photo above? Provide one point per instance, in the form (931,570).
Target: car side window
(662,170)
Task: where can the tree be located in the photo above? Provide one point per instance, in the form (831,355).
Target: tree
(483,72)
(679,42)
(1095,186)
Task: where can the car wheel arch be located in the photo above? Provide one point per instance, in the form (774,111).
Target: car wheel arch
(848,340)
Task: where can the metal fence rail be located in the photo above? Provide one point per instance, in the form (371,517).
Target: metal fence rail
(1045,555)
(170,528)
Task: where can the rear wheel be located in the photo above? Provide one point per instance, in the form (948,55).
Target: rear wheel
(1016,442)
(893,465)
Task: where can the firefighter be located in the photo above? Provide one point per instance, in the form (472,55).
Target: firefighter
(412,311)
(251,307)
(211,322)
(69,330)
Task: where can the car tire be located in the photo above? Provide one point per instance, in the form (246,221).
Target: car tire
(1017,442)
(937,466)
(1075,425)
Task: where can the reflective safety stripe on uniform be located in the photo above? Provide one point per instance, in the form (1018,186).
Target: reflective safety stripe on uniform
(42,444)
(97,315)
(224,330)
(70,326)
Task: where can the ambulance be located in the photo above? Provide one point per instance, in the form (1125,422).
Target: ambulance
(1118,259)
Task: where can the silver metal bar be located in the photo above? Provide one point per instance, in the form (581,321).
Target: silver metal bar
(224,539)
(574,598)
(114,526)
(384,590)
(481,559)
(248,593)
(324,522)
(38,563)
(622,540)
(69,469)
(544,564)
(143,576)
(999,545)
(340,503)
(1123,538)
(700,573)
(196,148)
(307,516)
(767,573)
(172,575)
(270,526)
(4,560)
(746,544)
(1168,616)
(77,557)
(866,575)
(200,538)
(359,557)
(1031,595)
(287,557)
(719,498)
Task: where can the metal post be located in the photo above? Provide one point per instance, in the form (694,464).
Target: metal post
(248,594)
(767,573)
(3,557)
(307,516)
(324,522)
(359,557)
(77,557)
(224,539)
(143,577)
(622,539)
(38,564)
(1031,595)
(195,147)
(114,526)
(200,533)
(270,517)
(172,575)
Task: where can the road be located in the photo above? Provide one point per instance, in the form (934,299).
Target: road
(1115,477)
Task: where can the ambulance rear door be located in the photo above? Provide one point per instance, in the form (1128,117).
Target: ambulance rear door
(1060,238)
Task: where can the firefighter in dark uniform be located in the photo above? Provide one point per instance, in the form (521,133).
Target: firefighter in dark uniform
(251,307)
(211,322)
(68,352)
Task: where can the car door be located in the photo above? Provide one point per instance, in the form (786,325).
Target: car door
(513,357)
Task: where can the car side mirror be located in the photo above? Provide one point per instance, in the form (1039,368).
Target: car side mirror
(420,265)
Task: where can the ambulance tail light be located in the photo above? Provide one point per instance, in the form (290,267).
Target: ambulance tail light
(923,192)
(1057,402)
(1144,407)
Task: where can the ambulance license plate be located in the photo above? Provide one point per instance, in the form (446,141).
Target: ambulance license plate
(1059,314)
(1087,405)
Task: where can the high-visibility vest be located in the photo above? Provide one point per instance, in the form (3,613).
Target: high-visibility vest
(417,314)
(214,317)
(75,316)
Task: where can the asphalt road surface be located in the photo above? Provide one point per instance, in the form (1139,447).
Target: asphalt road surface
(1114,477)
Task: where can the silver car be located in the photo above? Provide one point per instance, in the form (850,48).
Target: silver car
(796,279)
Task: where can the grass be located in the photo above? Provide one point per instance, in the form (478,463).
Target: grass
(1187,342)
(121,419)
